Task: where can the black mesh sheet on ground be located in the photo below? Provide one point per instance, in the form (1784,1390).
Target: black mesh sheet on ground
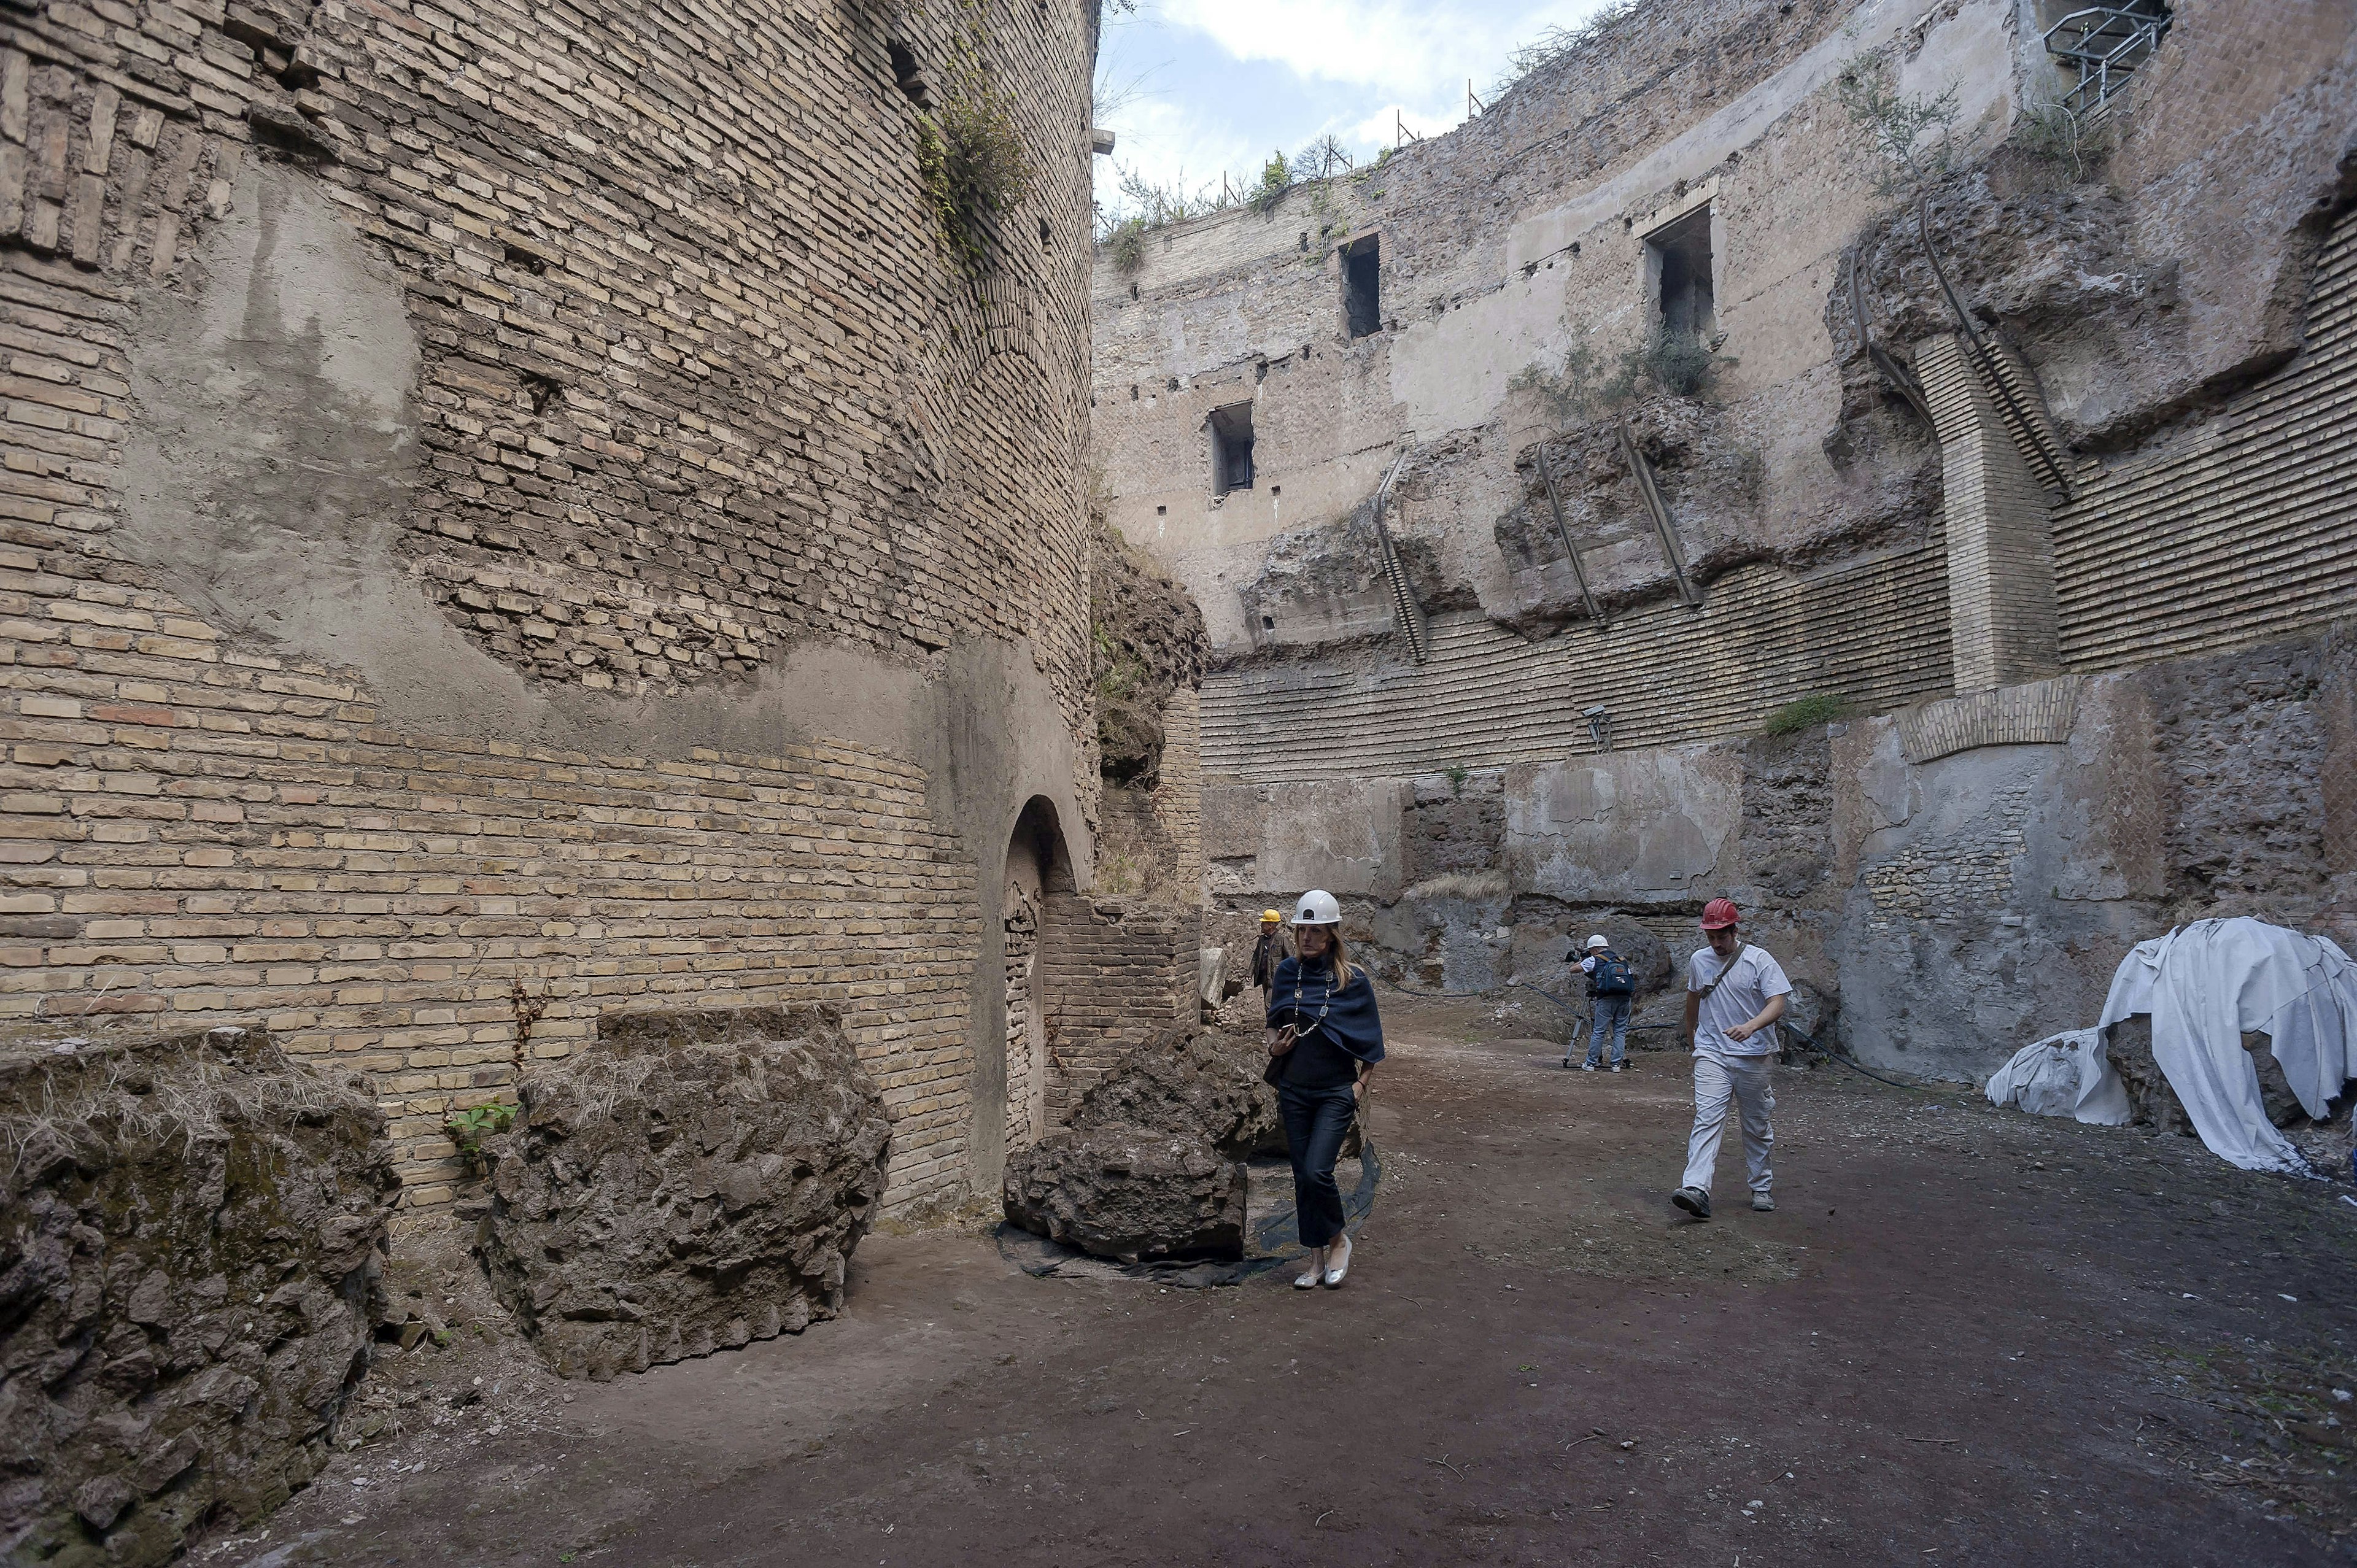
(1270,1237)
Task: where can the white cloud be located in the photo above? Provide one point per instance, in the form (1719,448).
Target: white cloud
(1415,50)
(1195,87)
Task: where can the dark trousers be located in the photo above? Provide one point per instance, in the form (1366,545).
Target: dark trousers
(1315,1122)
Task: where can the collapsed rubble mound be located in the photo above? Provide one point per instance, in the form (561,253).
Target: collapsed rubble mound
(692,1180)
(1151,1165)
(1147,641)
(192,1231)
(1710,469)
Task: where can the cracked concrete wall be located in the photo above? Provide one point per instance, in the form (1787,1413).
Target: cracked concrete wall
(1942,913)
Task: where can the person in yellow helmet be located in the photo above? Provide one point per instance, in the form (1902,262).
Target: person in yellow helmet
(1269,952)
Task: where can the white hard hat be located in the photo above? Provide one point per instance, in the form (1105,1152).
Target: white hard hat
(1598,941)
(1317,908)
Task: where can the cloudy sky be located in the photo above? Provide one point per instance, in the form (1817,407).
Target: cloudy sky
(1195,88)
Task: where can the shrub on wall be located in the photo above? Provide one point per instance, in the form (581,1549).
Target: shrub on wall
(1807,713)
(1127,246)
(973,159)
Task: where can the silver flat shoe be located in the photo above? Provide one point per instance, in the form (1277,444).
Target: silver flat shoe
(1339,1271)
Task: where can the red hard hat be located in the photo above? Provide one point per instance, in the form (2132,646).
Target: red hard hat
(1718,914)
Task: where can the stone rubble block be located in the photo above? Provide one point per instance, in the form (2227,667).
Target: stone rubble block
(1151,1164)
(1127,1192)
(192,1235)
(691,1182)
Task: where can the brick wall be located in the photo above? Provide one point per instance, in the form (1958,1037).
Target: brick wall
(2235,531)
(2000,557)
(1875,630)
(675,396)
(195,836)
(694,381)
(1116,971)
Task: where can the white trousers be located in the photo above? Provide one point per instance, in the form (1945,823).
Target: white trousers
(1718,1078)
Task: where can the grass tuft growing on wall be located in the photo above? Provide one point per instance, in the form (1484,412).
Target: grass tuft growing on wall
(1808,713)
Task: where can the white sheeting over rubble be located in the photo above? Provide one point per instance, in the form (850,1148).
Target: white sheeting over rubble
(2209,983)
(2064,1075)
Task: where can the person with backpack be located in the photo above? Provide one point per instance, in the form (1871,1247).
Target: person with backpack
(1735,994)
(1612,987)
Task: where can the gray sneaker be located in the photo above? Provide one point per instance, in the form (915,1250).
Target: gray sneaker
(1762,1203)
(1694,1200)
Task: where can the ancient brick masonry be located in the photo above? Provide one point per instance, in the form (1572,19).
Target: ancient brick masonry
(694,381)
(667,398)
(1118,971)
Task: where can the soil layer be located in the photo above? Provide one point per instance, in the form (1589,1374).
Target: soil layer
(1965,1335)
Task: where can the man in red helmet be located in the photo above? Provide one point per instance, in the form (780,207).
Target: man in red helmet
(1735,994)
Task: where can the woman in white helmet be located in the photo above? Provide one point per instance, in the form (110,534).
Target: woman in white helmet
(1324,1040)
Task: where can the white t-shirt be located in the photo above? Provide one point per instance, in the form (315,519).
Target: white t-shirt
(1736,1000)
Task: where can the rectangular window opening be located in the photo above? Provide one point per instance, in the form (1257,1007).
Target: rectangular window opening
(1678,258)
(1232,448)
(1362,286)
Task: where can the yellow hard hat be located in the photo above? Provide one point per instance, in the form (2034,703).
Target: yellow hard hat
(1270,916)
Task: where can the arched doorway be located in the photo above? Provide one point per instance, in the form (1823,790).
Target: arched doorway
(1037,869)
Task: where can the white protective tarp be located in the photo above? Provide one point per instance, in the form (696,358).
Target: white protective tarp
(2064,1075)
(2209,983)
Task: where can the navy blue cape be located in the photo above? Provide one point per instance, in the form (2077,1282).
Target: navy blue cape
(1346,1017)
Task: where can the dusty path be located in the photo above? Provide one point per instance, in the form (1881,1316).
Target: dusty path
(1966,1337)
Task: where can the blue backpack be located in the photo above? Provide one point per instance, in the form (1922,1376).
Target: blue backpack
(1610,977)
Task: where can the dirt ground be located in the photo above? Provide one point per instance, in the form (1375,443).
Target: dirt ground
(1965,1335)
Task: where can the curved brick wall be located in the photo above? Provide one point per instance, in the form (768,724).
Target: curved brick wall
(514,501)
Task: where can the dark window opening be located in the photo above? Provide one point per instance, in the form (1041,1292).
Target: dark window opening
(1044,233)
(1678,257)
(1232,448)
(1363,284)
(905,74)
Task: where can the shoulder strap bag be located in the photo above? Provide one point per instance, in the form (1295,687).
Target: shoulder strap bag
(1729,969)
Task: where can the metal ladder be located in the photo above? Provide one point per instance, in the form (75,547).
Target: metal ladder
(2105,44)
(1407,614)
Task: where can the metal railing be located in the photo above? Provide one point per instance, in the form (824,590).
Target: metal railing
(2105,44)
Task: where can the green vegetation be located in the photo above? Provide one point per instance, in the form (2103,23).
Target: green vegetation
(1126,246)
(1808,713)
(1674,364)
(468,1128)
(972,158)
(1458,774)
(1275,179)
(1677,363)
(1914,134)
